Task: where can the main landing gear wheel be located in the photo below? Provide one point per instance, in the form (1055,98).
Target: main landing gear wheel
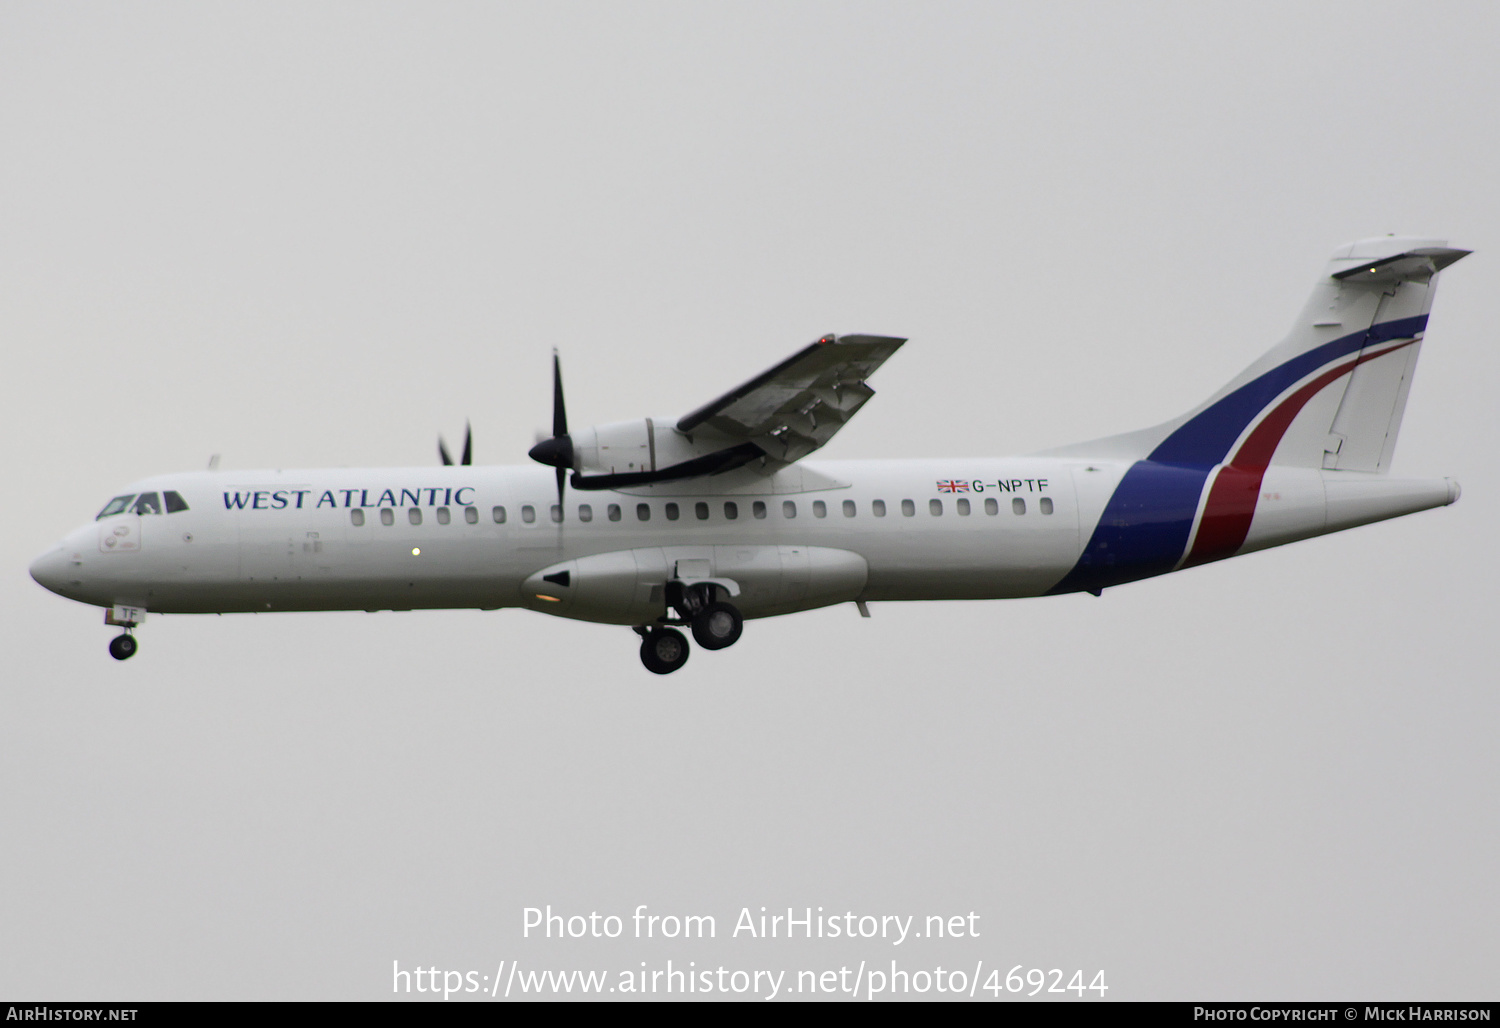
(718,625)
(123,647)
(664,651)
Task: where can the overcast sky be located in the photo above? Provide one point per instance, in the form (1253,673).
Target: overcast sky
(302,235)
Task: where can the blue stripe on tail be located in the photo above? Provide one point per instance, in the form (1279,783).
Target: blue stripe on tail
(1145,526)
(1206,437)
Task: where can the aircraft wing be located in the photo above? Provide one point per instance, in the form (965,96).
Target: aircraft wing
(797,406)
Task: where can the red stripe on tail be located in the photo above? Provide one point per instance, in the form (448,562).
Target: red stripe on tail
(1231,499)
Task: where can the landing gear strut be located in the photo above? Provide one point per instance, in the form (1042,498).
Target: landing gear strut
(123,647)
(663,650)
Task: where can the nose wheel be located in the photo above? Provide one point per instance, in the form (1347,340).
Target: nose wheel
(123,647)
(663,650)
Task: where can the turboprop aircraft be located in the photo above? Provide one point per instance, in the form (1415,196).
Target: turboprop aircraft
(713,517)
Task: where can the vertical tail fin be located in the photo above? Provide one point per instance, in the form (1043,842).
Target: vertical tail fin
(1332,393)
(1362,433)
(1330,397)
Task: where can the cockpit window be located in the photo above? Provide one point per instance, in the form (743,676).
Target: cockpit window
(115,506)
(149,503)
(175,502)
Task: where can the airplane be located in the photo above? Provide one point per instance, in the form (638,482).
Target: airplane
(708,519)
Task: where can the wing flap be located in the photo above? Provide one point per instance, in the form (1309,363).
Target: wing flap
(798,405)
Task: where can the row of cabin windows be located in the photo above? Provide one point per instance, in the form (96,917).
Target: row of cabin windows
(414,515)
(145,503)
(701,511)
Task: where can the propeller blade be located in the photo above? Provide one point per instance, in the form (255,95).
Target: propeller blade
(559,410)
(559,423)
(556,452)
(443,452)
(468,446)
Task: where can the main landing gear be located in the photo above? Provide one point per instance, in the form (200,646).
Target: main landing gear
(663,650)
(715,625)
(123,647)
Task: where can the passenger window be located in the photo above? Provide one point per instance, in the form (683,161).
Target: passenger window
(758,508)
(175,502)
(1046,504)
(149,503)
(820,509)
(877,507)
(908,509)
(498,513)
(387,516)
(849,508)
(788,509)
(528,513)
(991,505)
(471,515)
(643,512)
(115,506)
(356,517)
(935,508)
(414,515)
(963,508)
(557,513)
(731,510)
(1018,505)
(701,510)
(585,512)
(672,512)
(614,512)
(443,516)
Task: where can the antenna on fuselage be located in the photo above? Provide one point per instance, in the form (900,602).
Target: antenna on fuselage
(213,463)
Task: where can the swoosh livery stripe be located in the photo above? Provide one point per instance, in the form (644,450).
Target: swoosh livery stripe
(1231,501)
(1146,525)
(1205,438)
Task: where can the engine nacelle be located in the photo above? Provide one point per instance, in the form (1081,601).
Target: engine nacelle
(642,445)
(628,587)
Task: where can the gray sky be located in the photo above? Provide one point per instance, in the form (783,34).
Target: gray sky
(307,235)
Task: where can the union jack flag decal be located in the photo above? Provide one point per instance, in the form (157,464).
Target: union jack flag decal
(953,486)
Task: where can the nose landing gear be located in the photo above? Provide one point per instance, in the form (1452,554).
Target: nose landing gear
(123,647)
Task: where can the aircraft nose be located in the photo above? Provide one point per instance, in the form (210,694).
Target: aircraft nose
(50,568)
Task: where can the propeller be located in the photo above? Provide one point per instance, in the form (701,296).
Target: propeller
(556,452)
(468,448)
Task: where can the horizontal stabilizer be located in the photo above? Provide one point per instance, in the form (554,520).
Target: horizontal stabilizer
(1421,263)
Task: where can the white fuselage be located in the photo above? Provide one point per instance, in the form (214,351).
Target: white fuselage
(289,540)
(449,537)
